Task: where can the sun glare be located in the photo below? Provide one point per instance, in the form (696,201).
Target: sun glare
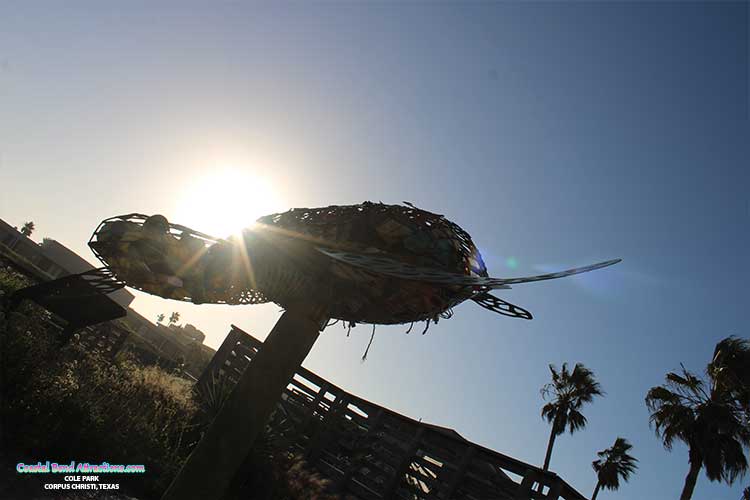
(224,202)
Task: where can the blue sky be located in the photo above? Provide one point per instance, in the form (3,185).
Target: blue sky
(557,134)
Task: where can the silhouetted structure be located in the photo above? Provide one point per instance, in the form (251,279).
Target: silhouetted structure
(55,270)
(51,260)
(371,452)
(80,299)
(367,263)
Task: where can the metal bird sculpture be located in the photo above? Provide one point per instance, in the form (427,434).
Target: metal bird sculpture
(368,263)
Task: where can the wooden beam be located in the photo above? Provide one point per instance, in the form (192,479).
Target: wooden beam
(210,468)
(554,490)
(325,432)
(458,475)
(220,357)
(356,462)
(403,465)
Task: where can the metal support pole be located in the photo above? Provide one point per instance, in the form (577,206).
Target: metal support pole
(210,468)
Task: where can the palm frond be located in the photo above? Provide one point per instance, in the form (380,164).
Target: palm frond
(576,421)
(729,369)
(549,412)
(615,463)
(567,393)
(715,423)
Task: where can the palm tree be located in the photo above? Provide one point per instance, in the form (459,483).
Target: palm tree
(27,229)
(614,463)
(746,494)
(712,422)
(569,391)
(729,370)
(160,318)
(174,318)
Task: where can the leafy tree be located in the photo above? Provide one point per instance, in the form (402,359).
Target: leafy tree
(569,390)
(614,463)
(160,318)
(174,318)
(711,418)
(27,229)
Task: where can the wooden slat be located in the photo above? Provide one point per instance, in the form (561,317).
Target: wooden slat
(479,474)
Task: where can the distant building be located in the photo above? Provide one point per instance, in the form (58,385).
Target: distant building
(181,345)
(12,238)
(53,258)
(178,347)
(72,263)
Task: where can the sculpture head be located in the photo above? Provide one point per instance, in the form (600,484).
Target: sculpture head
(151,254)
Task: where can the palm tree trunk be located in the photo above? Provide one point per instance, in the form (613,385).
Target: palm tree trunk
(692,477)
(596,490)
(550,445)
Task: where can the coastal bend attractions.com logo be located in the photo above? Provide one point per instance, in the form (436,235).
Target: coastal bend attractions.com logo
(82,467)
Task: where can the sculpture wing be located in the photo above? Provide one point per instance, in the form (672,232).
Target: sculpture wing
(560,274)
(382,264)
(500,306)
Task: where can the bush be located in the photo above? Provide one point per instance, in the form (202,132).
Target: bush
(72,403)
(75,404)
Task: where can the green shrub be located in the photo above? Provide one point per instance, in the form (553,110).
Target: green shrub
(74,404)
(71,403)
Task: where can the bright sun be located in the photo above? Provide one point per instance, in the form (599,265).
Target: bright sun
(225,201)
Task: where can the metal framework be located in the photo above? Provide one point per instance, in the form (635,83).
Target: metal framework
(367,263)
(80,299)
(195,243)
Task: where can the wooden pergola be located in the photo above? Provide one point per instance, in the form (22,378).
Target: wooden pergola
(370,452)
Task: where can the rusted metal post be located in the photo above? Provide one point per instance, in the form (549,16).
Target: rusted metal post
(210,468)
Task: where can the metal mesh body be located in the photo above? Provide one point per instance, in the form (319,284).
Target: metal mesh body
(406,233)
(402,233)
(278,261)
